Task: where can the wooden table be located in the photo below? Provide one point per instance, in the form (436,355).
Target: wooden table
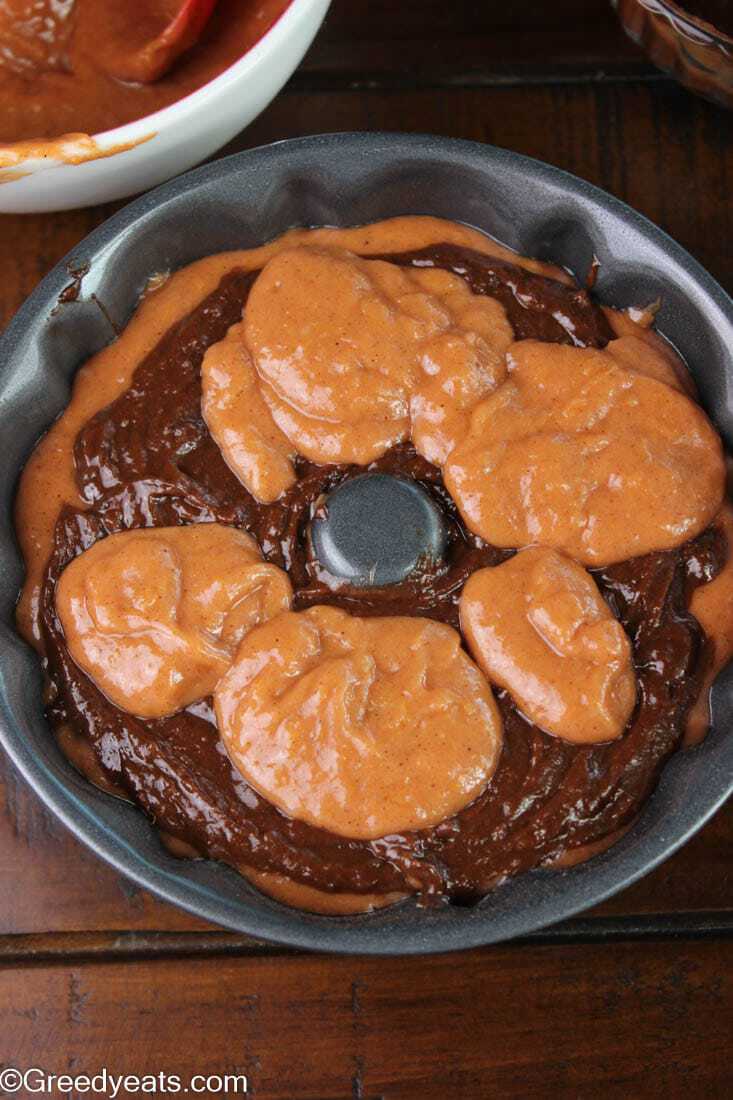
(632,1000)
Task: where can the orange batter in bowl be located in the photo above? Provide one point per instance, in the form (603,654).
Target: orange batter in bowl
(58,60)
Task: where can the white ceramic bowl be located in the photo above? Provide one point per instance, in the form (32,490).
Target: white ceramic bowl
(175,138)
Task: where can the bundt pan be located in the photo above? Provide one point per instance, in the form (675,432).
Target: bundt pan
(242,201)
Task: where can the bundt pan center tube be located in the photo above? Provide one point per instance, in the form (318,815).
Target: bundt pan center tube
(242,202)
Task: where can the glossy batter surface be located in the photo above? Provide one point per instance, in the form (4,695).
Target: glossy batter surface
(353,356)
(154,617)
(538,626)
(578,453)
(366,727)
(56,57)
(148,459)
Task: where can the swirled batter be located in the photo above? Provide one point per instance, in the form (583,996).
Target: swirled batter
(144,457)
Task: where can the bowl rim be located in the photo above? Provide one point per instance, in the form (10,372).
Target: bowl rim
(687,24)
(344,936)
(147,128)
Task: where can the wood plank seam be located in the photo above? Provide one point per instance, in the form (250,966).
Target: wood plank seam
(45,948)
(349,81)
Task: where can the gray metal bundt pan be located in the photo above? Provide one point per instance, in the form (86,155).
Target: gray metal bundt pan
(345,179)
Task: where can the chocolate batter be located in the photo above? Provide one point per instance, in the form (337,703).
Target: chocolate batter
(148,460)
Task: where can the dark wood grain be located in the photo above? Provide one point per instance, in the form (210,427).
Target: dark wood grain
(60,886)
(368,44)
(583,1021)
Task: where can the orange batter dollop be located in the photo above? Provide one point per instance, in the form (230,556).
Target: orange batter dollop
(240,421)
(577,452)
(154,616)
(538,626)
(364,727)
(460,365)
(353,356)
